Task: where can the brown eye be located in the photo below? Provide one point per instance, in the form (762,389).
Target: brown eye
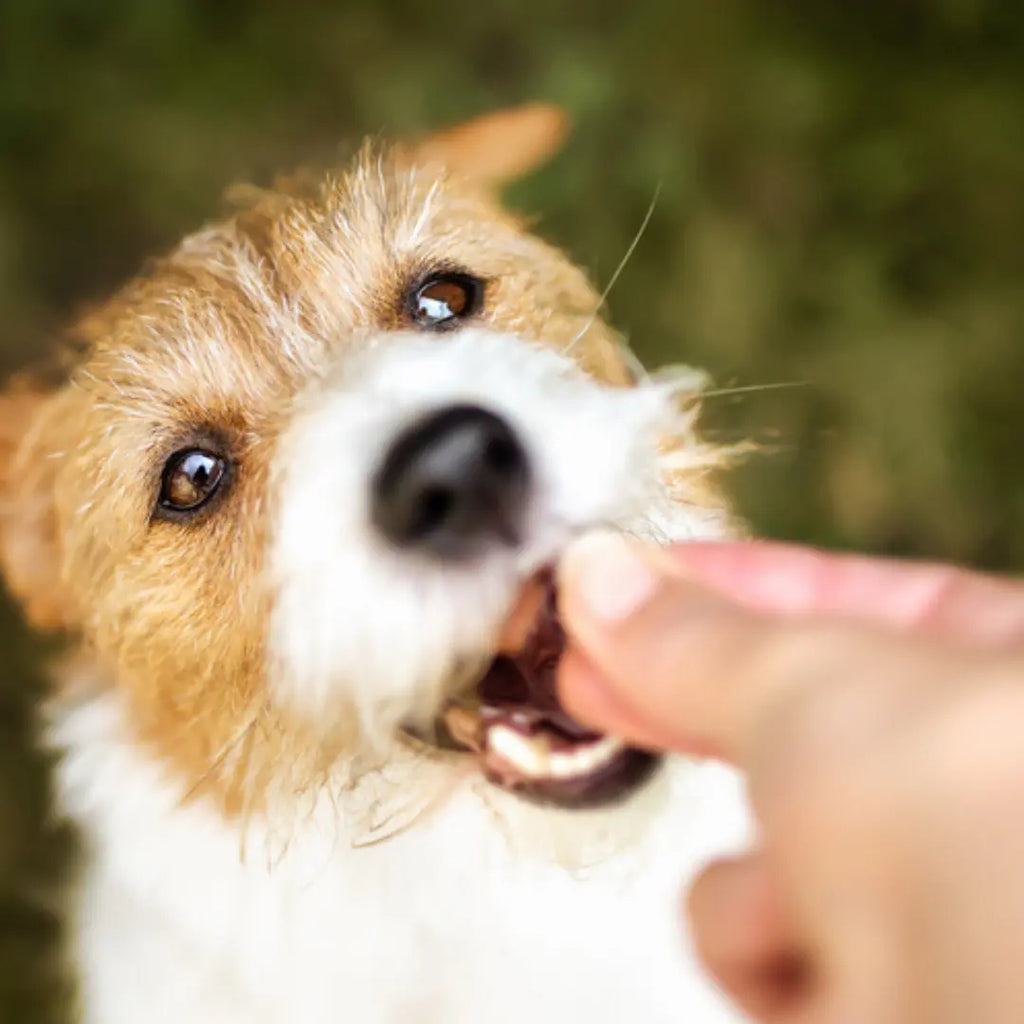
(190,479)
(444,299)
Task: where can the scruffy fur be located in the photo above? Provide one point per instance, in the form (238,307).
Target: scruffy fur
(261,841)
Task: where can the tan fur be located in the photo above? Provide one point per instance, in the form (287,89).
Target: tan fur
(220,338)
(500,146)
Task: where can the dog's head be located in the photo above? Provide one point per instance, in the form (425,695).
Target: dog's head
(299,472)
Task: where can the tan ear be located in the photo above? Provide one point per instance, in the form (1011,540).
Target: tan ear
(29,550)
(499,147)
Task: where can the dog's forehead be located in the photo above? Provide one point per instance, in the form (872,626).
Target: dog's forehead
(250,309)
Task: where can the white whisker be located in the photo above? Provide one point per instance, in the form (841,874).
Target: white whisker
(748,388)
(618,271)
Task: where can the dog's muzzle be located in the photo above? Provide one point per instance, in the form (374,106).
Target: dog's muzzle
(452,486)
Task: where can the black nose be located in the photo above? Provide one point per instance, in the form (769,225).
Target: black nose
(451,483)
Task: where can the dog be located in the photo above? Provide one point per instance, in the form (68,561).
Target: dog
(294,496)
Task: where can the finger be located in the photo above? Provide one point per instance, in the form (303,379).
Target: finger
(744,937)
(593,700)
(796,580)
(673,660)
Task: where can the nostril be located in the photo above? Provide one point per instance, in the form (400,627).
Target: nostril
(435,507)
(501,454)
(452,482)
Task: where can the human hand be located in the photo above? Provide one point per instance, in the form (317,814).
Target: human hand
(877,709)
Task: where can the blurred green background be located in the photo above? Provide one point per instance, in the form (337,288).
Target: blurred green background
(840,209)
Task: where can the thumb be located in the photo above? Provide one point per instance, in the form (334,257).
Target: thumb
(639,644)
(664,661)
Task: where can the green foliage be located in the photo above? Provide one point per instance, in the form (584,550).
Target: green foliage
(840,208)
(839,201)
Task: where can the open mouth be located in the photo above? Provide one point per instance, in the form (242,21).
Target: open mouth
(523,738)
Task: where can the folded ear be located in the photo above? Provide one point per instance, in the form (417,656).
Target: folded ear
(29,549)
(497,148)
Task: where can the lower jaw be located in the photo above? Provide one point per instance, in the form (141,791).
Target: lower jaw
(608,786)
(532,758)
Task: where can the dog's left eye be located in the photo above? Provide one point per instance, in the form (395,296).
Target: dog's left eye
(444,299)
(190,479)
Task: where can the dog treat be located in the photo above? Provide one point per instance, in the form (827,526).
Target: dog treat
(524,738)
(524,615)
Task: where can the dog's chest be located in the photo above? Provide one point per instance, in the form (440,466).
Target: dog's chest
(465,917)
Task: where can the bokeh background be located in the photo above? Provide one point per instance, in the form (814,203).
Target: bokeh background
(840,212)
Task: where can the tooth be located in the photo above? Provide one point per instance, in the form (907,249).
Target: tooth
(533,757)
(528,755)
(584,759)
(464,725)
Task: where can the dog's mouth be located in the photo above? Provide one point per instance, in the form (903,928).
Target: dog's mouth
(524,740)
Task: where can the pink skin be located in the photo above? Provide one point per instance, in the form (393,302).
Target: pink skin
(876,709)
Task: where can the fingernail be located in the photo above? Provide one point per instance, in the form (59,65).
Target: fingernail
(609,575)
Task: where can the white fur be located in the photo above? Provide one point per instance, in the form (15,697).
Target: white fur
(466,918)
(416,892)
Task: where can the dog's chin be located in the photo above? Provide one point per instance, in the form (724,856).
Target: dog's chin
(524,741)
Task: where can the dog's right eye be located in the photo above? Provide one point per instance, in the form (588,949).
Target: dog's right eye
(190,479)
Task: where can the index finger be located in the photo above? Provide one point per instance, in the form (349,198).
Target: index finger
(795,580)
